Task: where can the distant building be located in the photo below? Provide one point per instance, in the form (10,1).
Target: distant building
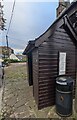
(14,57)
(4,51)
(21,57)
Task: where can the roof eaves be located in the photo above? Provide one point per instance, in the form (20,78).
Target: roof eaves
(30,46)
(58,18)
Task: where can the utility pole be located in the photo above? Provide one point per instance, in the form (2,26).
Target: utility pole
(9,28)
(7,46)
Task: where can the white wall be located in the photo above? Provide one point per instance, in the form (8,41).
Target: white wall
(13,56)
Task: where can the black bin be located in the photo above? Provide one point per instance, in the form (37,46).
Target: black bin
(64,96)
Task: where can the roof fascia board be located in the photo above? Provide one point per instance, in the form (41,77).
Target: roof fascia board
(49,33)
(67,23)
(51,29)
(30,45)
(30,50)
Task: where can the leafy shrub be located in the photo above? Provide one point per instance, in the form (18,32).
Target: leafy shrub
(16,61)
(13,60)
(7,61)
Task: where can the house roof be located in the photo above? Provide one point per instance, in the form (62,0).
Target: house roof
(32,44)
(30,47)
(13,56)
(5,47)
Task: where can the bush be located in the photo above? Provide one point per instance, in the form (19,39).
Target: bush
(13,61)
(7,61)
(16,61)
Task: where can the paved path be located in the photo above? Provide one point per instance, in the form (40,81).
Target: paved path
(1,92)
(18,101)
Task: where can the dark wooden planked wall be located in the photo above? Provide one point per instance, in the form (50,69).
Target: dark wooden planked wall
(30,69)
(46,60)
(35,74)
(48,65)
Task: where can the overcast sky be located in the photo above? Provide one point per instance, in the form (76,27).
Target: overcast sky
(30,20)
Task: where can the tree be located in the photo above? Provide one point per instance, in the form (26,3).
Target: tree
(2,20)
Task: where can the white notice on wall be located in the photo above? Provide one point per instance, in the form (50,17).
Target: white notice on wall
(62,63)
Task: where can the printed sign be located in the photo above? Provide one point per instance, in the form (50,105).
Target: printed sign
(62,63)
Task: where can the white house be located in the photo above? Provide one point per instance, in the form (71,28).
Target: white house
(13,56)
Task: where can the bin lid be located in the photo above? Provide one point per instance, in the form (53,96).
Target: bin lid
(64,80)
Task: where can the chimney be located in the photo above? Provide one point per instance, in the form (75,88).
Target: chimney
(62,5)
